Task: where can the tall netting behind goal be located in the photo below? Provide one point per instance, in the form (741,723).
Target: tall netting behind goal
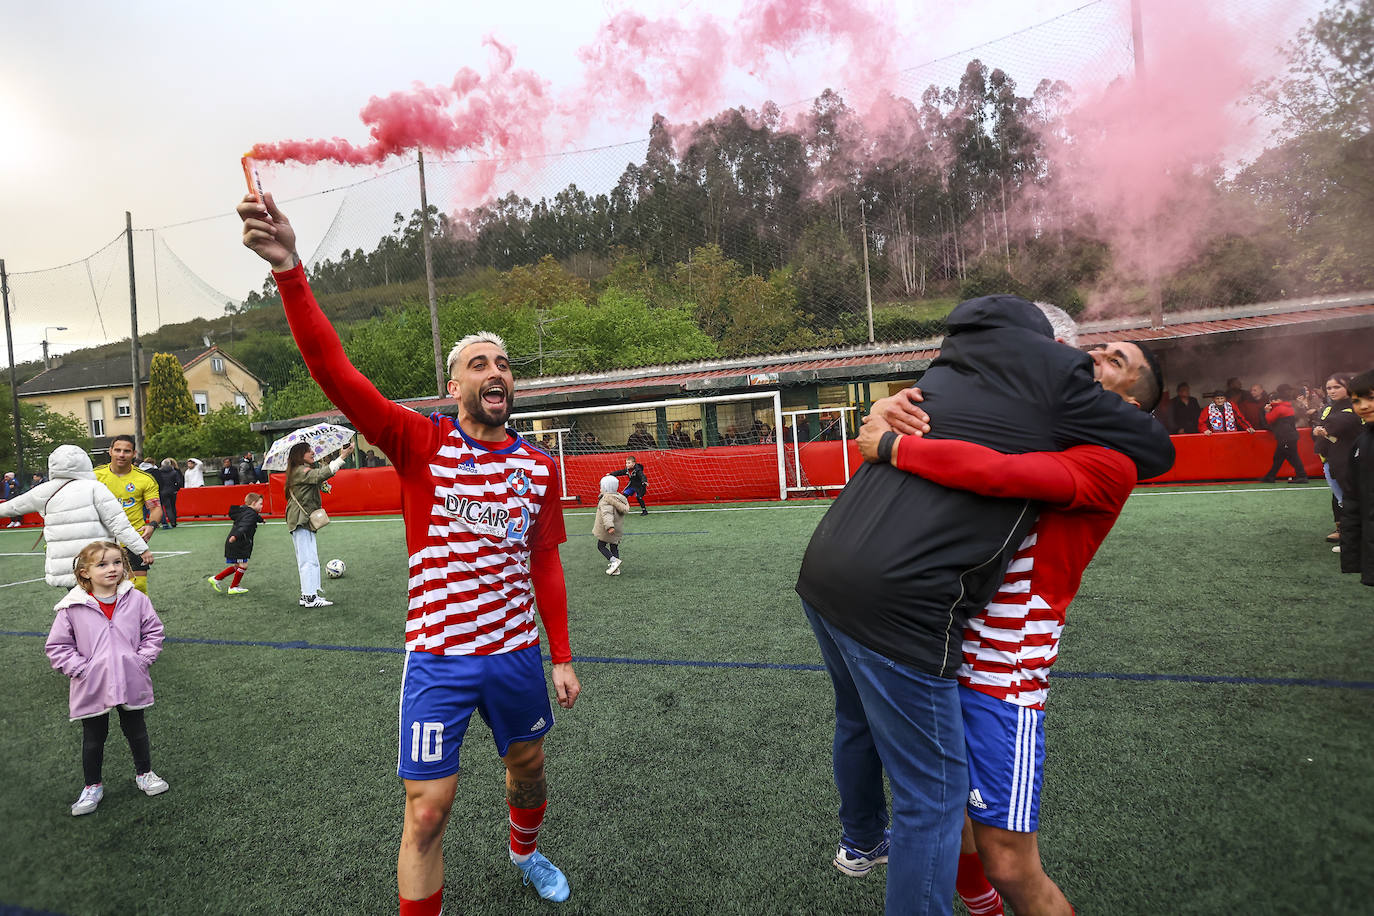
(711,449)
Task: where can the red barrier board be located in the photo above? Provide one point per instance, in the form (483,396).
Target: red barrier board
(727,473)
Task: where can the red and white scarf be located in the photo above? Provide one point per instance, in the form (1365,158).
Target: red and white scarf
(1221,419)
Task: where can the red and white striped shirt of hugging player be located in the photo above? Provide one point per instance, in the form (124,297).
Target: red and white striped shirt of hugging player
(1010,645)
(483,520)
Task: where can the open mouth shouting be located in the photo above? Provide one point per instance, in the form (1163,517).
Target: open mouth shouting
(493,404)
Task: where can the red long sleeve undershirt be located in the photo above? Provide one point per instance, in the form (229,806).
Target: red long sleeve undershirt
(551,598)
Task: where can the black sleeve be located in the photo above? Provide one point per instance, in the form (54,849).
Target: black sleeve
(1090,414)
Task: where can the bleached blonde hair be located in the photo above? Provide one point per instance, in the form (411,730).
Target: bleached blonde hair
(476,337)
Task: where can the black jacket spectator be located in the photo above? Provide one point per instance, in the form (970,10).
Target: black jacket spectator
(1183,412)
(899,563)
(226,473)
(1357,511)
(246,473)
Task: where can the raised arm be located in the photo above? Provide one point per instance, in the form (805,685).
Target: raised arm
(397,431)
(1089,414)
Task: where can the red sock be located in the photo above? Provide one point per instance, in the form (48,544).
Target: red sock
(238,577)
(432,905)
(524,828)
(227,571)
(980,897)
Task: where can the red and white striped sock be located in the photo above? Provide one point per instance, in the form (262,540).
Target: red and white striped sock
(238,577)
(433,905)
(524,830)
(979,896)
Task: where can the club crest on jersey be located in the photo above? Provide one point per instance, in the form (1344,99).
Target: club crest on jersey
(519,482)
(129,488)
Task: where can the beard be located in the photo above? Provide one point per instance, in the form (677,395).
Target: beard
(484,413)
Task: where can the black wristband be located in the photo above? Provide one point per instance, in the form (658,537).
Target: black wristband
(885,446)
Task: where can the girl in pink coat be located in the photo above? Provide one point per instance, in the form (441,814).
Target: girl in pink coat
(105,637)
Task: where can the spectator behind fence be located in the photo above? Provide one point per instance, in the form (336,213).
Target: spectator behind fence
(1333,435)
(246,472)
(1282,421)
(195,473)
(640,439)
(1183,411)
(677,438)
(226,473)
(1252,404)
(1222,416)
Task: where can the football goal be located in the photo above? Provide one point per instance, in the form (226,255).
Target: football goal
(707,449)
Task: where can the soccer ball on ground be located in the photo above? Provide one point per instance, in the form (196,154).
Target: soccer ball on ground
(335,568)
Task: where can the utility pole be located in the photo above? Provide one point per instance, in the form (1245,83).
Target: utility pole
(440,370)
(1153,292)
(868,287)
(19,474)
(133,336)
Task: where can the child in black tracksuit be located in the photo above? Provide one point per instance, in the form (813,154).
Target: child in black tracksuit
(238,547)
(1357,508)
(638,484)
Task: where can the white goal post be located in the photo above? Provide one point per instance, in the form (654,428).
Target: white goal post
(687,445)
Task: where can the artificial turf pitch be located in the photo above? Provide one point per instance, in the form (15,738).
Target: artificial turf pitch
(1210,730)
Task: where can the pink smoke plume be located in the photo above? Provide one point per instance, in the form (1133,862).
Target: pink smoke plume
(1136,152)
(686,68)
(500,114)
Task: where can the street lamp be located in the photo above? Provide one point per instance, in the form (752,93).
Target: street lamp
(51,327)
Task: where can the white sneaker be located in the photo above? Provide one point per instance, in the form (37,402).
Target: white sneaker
(90,797)
(15,524)
(150,783)
(614,568)
(235,590)
(315,601)
(1336,549)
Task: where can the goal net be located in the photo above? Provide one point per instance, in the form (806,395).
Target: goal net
(724,448)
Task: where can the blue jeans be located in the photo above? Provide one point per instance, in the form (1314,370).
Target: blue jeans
(1331,482)
(891,717)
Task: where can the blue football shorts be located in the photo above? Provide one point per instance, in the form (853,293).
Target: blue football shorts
(1006,761)
(440,692)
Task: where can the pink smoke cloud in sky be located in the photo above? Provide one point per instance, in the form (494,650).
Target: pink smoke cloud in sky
(501,114)
(1138,144)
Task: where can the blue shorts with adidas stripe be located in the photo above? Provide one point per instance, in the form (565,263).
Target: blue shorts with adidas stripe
(439,694)
(1006,761)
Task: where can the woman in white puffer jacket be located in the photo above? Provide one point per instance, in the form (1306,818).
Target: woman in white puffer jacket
(76,510)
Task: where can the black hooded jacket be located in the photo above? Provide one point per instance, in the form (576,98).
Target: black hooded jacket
(899,563)
(246,522)
(1357,509)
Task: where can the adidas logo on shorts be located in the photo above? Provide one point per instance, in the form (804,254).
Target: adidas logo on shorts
(975,799)
(538,725)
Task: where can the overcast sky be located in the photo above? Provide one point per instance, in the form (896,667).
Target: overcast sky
(146,106)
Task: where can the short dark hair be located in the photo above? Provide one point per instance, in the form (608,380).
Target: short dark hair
(1362,384)
(1148,386)
(125,437)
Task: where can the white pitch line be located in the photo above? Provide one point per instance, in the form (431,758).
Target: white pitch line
(25,582)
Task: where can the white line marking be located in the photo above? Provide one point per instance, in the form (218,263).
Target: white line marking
(25,582)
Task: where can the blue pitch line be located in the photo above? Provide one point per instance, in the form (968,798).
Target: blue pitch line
(777,666)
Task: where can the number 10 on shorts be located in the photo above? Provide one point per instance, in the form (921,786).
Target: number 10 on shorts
(426,741)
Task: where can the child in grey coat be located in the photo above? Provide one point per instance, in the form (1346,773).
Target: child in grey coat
(610,522)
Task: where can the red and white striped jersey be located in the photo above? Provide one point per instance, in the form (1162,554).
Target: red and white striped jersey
(1010,645)
(470,591)
(475,512)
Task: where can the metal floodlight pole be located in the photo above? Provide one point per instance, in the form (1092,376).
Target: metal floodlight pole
(133,337)
(14,386)
(1153,292)
(868,287)
(440,370)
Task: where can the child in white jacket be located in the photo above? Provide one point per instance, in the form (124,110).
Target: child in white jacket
(76,510)
(609,523)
